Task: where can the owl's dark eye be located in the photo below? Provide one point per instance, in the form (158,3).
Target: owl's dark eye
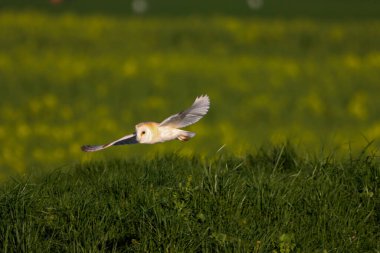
(143,132)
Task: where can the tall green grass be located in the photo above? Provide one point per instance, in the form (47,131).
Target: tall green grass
(273,201)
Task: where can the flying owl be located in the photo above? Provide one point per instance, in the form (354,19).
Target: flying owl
(167,130)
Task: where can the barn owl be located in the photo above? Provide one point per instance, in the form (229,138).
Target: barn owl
(169,129)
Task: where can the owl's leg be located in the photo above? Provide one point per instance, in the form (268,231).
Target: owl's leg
(185,135)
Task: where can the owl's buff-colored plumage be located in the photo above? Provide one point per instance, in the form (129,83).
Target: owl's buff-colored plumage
(169,129)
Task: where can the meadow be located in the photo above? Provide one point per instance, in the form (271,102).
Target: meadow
(275,201)
(68,80)
(286,160)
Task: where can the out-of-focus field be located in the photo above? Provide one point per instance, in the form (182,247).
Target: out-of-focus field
(68,80)
(289,9)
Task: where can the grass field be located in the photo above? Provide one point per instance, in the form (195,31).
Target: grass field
(79,74)
(276,201)
(68,80)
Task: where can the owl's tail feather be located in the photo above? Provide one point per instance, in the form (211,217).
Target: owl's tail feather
(185,135)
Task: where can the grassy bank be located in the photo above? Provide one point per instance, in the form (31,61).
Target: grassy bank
(273,201)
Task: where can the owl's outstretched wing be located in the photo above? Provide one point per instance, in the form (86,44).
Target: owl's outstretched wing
(128,139)
(189,116)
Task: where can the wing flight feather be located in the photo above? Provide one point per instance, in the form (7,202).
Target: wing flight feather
(128,139)
(189,116)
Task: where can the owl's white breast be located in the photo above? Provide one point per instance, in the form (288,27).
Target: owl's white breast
(167,133)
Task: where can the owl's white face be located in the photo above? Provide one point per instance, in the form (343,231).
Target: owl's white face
(145,132)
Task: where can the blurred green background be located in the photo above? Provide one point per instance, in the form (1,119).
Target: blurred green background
(85,72)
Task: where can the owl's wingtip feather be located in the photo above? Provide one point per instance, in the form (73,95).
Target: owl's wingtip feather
(203,96)
(85,148)
(90,148)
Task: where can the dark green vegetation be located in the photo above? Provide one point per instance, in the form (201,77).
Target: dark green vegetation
(323,9)
(273,201)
